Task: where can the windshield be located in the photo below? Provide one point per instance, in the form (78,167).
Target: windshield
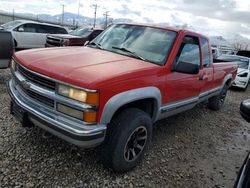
(146,43)
(242,62)
(82,32)
(11,25)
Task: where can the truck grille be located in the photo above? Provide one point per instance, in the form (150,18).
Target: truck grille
(52,41)
(45,100)
(39,80)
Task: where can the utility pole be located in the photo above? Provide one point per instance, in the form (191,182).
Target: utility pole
(95,7)
(106,18)
(13,14)
(78,12)
(63,13)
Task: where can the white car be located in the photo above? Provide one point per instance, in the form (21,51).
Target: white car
(30,34)
(243,72)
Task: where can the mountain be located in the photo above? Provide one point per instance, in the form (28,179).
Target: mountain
(219,41)
(71,19)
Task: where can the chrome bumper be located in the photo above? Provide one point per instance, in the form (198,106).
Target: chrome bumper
(53,122)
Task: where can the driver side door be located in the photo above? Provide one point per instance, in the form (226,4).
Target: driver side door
(183,89)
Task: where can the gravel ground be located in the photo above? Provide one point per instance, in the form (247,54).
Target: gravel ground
(198,148)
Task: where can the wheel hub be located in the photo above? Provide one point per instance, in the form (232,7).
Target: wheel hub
(135,144)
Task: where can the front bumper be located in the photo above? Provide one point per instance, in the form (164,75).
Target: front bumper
(240,82)
(80,135)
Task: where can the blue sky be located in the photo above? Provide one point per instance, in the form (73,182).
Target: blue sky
(211,17)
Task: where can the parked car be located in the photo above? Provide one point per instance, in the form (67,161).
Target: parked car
(76,37)
(30,34)
(244,53)
(111,91)
(243,73)
(243,179)
(6,48)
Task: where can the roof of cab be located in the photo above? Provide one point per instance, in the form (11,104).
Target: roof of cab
(161,27)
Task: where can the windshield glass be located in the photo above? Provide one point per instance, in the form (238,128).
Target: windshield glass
(146,43)
(82,32)
(242,62)
(11,25)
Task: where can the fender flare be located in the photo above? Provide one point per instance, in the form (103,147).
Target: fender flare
(121,99)
(227,77)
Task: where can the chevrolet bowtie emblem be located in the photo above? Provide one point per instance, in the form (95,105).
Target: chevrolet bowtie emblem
(26,85)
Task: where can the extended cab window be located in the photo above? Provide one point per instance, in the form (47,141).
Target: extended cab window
(206,52)
(189,51)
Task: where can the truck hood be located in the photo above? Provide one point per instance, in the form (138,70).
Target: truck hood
(240,70)
(83,66)
(65,36)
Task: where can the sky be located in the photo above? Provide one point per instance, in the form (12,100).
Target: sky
(211,17)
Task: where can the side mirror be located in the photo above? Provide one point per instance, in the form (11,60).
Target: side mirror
(20,29)
(245,110)
(186,67)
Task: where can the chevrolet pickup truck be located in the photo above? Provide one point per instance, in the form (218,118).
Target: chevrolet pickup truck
(111,92)
(76,37)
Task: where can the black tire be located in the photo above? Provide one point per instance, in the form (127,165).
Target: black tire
(124,132)
(217,102)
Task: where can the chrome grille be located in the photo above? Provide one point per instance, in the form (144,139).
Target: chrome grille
(45,100)
(39,80)
(53,41)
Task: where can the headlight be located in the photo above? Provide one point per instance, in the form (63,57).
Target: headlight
(65,42)
(243,74)
(78,94)
(13,65)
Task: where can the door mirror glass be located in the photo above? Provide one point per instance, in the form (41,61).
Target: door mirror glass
(186,67)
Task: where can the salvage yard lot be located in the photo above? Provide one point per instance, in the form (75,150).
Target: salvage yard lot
(198,148)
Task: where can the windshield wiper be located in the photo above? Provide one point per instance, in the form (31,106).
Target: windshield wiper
(95,44)
(129,51)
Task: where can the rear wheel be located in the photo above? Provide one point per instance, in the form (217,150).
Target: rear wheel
(127,139)
(217,102)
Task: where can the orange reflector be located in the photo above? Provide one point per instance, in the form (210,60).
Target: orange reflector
(90,117)
(92,98)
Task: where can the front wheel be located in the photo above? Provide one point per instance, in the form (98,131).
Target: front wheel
(127,139)
(217,102)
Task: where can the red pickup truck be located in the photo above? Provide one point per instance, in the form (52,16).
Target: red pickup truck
(76,37)
(110,92)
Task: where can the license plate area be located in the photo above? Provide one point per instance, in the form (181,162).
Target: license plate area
(20,114)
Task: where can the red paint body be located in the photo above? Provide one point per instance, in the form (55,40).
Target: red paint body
(112,73)
(73,40)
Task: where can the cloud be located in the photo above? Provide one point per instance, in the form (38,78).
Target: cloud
(211,17)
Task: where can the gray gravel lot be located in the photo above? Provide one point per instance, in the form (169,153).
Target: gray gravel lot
(198,148)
